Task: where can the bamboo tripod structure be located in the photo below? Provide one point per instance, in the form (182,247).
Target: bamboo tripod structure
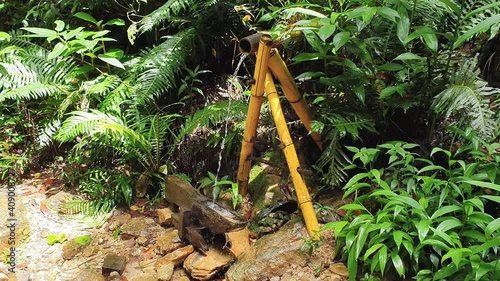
(268,65)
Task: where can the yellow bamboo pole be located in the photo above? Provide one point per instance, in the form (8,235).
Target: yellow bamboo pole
(303,197)
(280,71)
(261,68)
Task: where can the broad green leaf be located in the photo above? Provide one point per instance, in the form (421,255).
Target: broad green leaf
(86,17)
(83,240)
(59,48)
(4,36)
(423,229)
(59,25)
(456,255)
(72,33)
(336,226)
(403,24)
(388,13)
(118,22)
(326,31)
(372,250)
(362,235)
(484,184)
(112,61)
(482,26)
(340,39)
(438,149)
(444,272)
(492,198)
(398,263)
(353,207)
(40,32)
(442,235)
(495,242)
(352,266)
(431,168)
(382,258)
(431,41)
(409,56)
(306,12)
(445,210)
(307,57)
(436,243)
(115,53)
(492,227)
(474,234)
(398,237)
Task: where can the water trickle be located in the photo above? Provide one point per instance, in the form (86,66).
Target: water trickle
(231,96)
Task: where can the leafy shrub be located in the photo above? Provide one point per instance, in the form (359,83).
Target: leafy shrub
(419,218)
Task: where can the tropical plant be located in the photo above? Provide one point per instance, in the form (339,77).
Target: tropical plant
(418,218)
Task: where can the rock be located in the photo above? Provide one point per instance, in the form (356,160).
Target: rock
(3,277)
(271,255)
(145,277)
(70,249)
(238,241)
(164,216)
(165,271)
(113,263)
(204,267)
(176,257)
(169,242)
(180,275)
(118,221)
(339,269)
(139,226)
(114,276)
(142,241)
(89,275)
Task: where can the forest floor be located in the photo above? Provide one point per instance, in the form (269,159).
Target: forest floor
(38,218)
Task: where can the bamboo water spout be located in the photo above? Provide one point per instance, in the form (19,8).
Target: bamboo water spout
(269,63)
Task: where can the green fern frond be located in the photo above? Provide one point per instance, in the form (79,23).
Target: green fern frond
(86,214)
(466,98)
(161,64)
(333,159)
(85,123)
(214,114)
(102,85)
(166,12)
(335,127)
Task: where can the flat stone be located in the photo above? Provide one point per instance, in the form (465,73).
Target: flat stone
(139,226)
(180,275)
(339,269)
(169,241)
(238,241)
(142,241)
(89,275)
(271,255)
(165,271)
(164,216)
(205,266)
(145,277)
(176,257)
(113,263)
(70,249)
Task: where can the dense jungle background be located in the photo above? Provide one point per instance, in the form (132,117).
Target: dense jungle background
(112,96)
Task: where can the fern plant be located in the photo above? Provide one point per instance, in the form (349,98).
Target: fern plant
(467,100)
(141,143)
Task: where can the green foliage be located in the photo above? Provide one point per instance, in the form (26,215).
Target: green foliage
(54,238)
(467,97)
(420,218)
(215,184)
